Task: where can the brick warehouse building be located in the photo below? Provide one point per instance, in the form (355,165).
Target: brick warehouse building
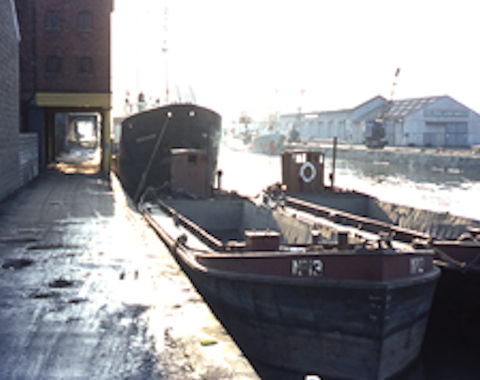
(18,162)
(9,112)
(64,68)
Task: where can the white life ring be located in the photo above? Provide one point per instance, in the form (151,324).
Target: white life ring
(313,172)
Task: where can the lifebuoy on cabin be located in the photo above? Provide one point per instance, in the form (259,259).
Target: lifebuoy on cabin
(303,171)
(309,168)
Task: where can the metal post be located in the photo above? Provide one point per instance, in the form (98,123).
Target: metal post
(332,174)
(106,142)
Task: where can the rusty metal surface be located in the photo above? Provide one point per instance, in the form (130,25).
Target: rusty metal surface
(465,255)
(189,172)
(262,240)
(262,254)
(363,223)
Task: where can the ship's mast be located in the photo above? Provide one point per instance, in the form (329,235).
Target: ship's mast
(165,52)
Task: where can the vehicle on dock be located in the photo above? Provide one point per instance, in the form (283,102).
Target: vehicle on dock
(374,136)
(143,157)
(376,130)
(291,292)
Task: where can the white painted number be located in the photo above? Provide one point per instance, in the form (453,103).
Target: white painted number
(417,265)
(307,267)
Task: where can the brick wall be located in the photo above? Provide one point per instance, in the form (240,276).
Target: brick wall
(28,157)
(68,42)
(9,101)
(26,16)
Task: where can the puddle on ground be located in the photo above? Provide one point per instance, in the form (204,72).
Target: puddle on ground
(60,283)
(51,247)
(10,240)
(13,264)
(44,295)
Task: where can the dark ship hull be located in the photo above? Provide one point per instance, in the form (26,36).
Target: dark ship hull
(144,158)
(333,309)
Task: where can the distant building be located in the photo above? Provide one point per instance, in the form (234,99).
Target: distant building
(432,121)
(64,67)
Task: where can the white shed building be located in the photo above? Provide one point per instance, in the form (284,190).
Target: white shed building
(432,121)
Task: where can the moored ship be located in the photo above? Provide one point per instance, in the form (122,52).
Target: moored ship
(292,293)
(143,157)
(455,240)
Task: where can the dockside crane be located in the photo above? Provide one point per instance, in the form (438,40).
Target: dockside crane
(375,130)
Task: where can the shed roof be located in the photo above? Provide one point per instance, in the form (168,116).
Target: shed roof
(398,109)
(395,110)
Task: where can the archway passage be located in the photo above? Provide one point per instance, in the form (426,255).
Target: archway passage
(77,142)
(73,136)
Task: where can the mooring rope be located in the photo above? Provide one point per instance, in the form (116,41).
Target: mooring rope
(473,262)
(150,161)
(449,259)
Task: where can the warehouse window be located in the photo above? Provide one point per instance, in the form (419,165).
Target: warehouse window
(85,66)
(52,20)
(54,65)
(85,21)
(456,134)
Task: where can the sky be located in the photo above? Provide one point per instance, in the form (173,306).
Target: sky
(264,56)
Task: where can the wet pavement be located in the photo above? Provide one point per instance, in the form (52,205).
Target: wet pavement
(88,291)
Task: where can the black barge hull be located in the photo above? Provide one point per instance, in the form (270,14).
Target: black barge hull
(456,304)
(339,315)
(337,330)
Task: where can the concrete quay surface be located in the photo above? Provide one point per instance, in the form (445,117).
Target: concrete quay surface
(88,291)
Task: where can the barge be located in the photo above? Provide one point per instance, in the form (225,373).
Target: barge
(291,292)
(455,240)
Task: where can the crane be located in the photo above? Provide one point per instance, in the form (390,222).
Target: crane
(375,130)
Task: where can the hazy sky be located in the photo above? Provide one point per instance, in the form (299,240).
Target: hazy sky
(258,55)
